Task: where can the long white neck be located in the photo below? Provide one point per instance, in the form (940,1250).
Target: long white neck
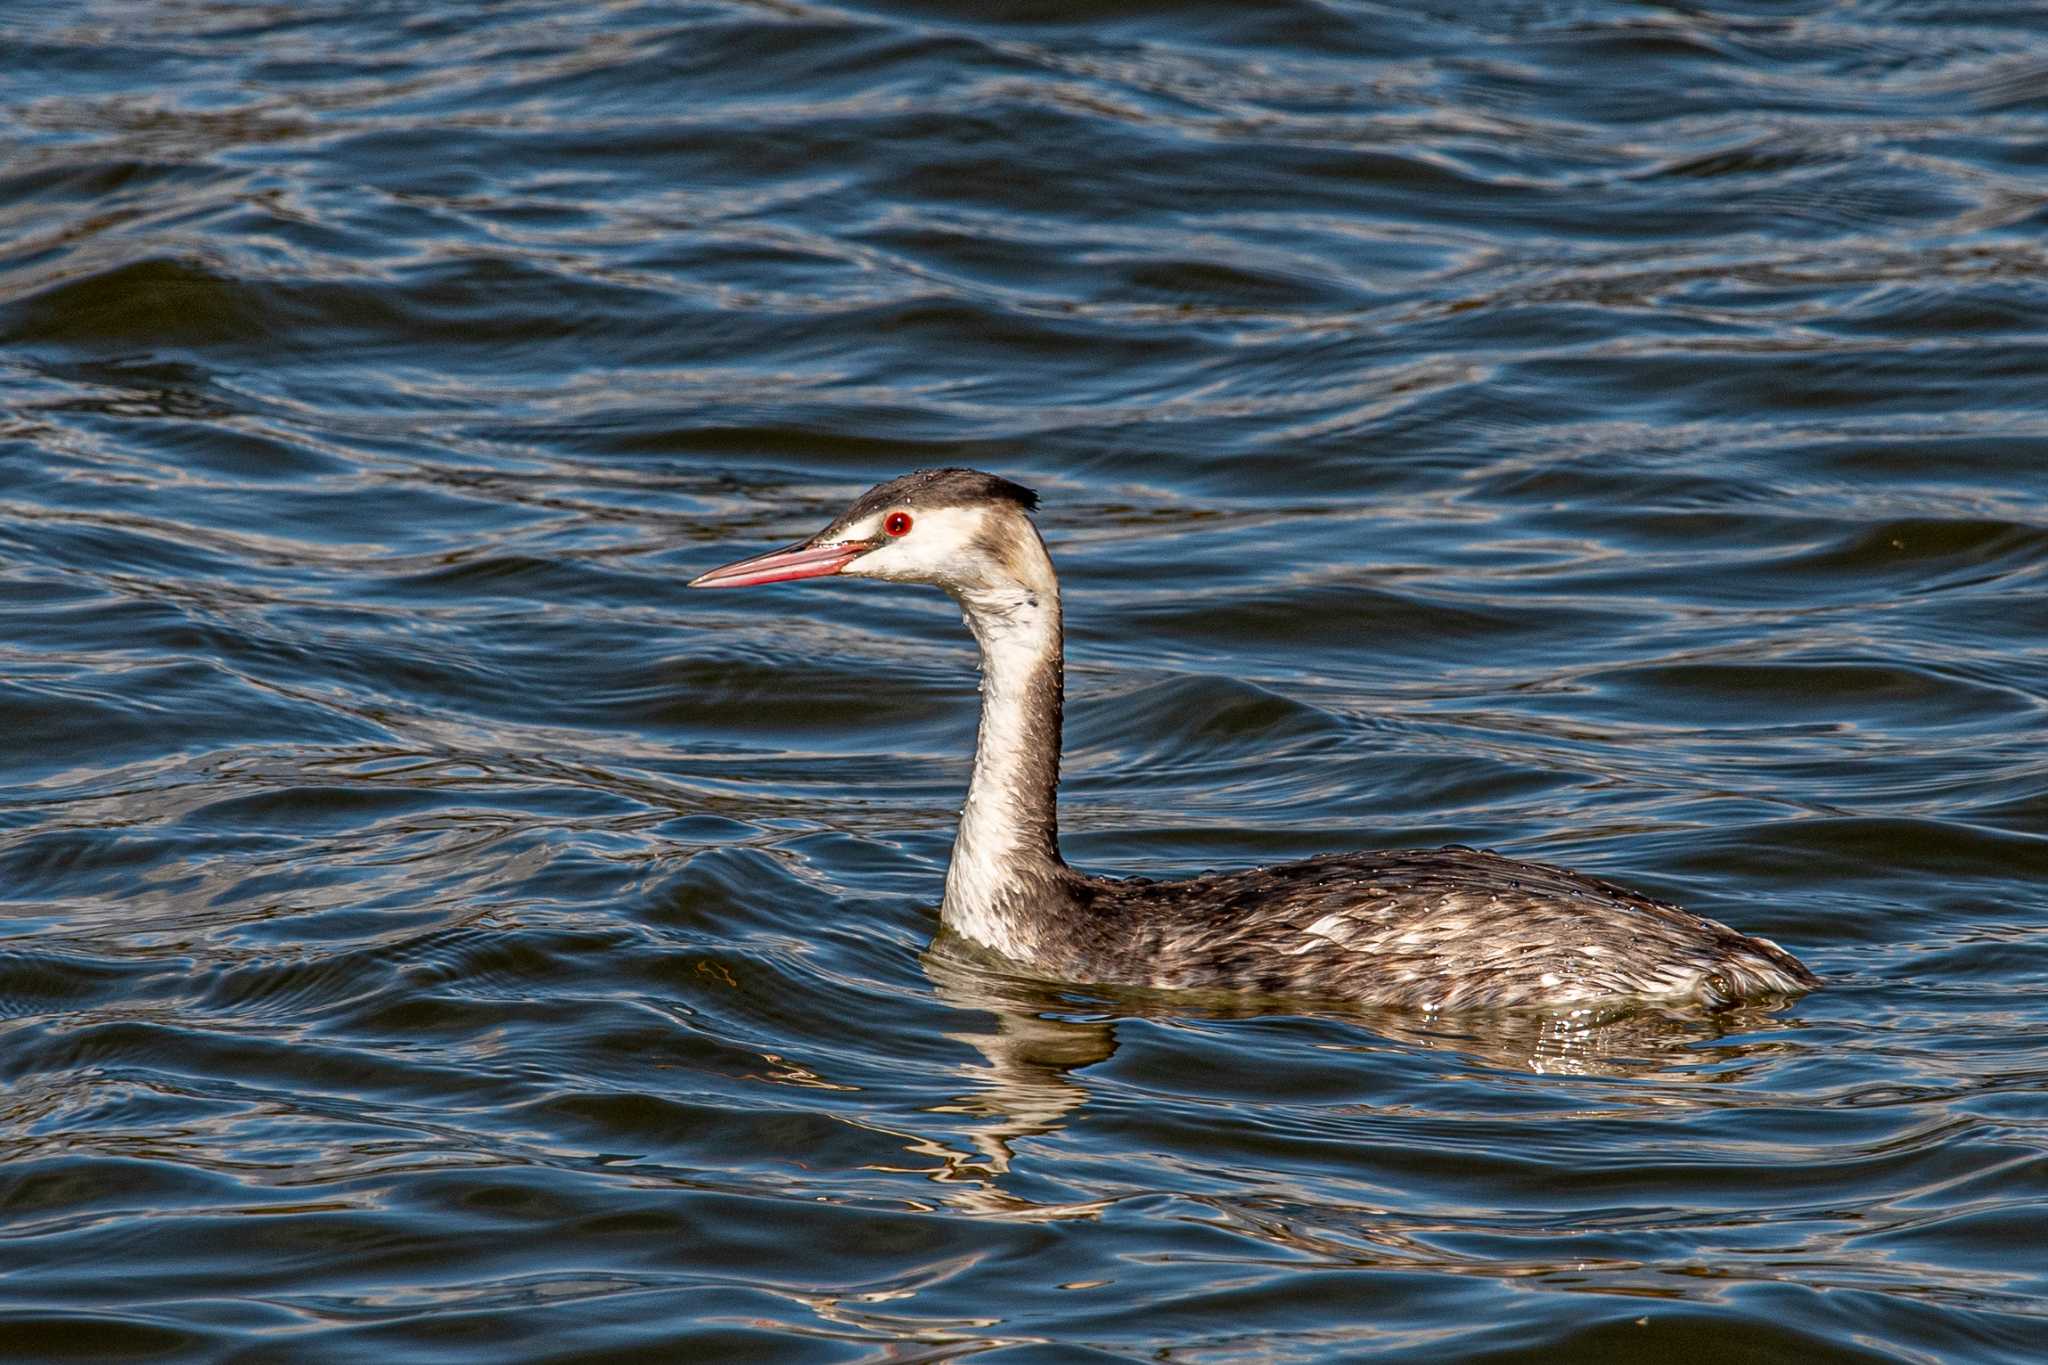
(1006,870)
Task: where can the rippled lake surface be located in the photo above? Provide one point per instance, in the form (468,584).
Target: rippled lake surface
(1616,434)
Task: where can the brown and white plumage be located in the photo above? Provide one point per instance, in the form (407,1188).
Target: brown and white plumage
(1444,929)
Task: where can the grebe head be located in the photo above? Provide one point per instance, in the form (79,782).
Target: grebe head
(958,529)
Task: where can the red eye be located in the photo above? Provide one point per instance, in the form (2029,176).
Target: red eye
(897,523)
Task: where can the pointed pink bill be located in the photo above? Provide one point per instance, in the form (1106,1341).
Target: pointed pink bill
(796,561)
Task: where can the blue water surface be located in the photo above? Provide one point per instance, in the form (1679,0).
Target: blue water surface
(1613,433)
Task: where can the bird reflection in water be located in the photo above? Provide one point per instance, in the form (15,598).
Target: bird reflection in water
(1036,1037)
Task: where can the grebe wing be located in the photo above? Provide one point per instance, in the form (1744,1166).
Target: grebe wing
(1450,928)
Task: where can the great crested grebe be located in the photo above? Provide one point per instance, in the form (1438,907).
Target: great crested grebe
(1437,929)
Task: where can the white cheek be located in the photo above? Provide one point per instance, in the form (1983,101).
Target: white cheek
(938,549)
(885,562)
